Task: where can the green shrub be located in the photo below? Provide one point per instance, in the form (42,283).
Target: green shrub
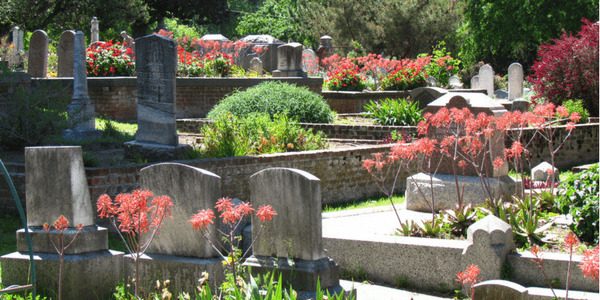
(394,112)
(577,106)
(257,134)
(269,97)
(579,198)
(89,160)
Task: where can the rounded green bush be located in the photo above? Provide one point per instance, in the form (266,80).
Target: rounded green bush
(273,97)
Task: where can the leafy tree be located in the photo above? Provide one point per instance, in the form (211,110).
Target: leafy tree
(276,18)
(504,31)
(195,11)
(398,28)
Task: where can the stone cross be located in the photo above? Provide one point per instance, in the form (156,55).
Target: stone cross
(515,81)
(66,45)
(486,79)
(95,31)
(38,54)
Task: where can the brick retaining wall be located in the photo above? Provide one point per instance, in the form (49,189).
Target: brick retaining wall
(354,102)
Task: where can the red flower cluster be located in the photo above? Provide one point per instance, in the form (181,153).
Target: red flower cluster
(230,214)
(109,59)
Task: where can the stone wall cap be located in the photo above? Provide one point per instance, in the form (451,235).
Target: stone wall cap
(474,100)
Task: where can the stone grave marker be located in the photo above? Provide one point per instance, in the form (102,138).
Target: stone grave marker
(268,56)
(475,82)
(56,185)
(500,290)
(542,171)
(520,104)
(256,66)
(515,81)
(66,45)
(426,95)
(431,81)
(325,49)
(486,79)
(15,59)
(444,184)
(95,31)
(38,54)
(310,63)
(179,251)
(289,61)
(454,82)
(500,94)
(17,35)
(295,233)
(156,138)
(219,38)
(81,111)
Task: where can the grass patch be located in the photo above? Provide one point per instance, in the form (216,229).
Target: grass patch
(113,133)
(365,203)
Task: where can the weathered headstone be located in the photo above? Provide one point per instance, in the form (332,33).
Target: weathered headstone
(256,66)
(444,190)
(81,111)
(66,45)
(500,94)
(515,81)
(520,104)
(56,185)
(38,54)
(310,63)
(15,59)
(426,95)
(431,81)
(325,49)
(289,61)
(486,79)
(542,172)
(95,31)
(295,233)
(475,82)
(156,138)
(17,35)
(179,251)
(268,56)
(500,290)
(454,82)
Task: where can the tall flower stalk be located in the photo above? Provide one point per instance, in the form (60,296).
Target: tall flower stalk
(135,214)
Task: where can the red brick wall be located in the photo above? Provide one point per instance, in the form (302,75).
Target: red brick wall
(354,102)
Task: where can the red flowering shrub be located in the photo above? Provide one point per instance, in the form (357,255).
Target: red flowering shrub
(568,68)
(404,79)
(347,79)
(108,59)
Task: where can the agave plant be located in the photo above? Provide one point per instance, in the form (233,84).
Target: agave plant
(430,228)
(407,228)
(526,221)
(459,219)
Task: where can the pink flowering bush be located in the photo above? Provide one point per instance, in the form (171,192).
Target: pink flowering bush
(109,59)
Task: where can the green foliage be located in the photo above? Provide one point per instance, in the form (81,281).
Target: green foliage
(404,79)
(89,160)
(181,30)
(345,80)
(577,106)
(442,65)
(273,97)
(31,114)
(579,198)
(507,272)
(430,228)
(489,35)
(459,219)
(257,134)
(394,112)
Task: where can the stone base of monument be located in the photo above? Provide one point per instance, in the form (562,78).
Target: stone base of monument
(289,73)
(183,272)
(89,239)
(302,275)
(444,187)
(153,152)
(77,135)
(92,275)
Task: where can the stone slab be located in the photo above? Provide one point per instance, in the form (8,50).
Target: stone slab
(153,152)
(91,275)
(90,239)
(183,272)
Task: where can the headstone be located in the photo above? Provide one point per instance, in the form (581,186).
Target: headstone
(325,49)
(426,95)
(295,233)
(486,79)
(81,111)
(66,45)
(445,187)
(95,31)
(17,35)
(500,94)
(475,82)
(289,61)
(156,138)
(310,63)
(500,290)
(38,54)
(179,251)
(515,81)
(56,185)
(431,81)
(542,172)
(256,66)
(454,82)
(191,189)
(218,38)
(269,56)
(520,104)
